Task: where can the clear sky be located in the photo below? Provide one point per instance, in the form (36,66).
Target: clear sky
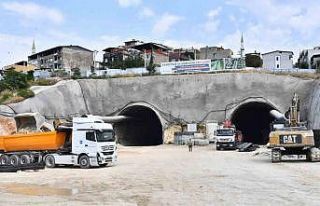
(96,24)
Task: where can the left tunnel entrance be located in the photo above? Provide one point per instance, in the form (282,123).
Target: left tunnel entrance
(253,119)
(143,128)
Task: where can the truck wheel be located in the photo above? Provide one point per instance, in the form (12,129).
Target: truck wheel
(14,160)
(50,162)
(4,160)
(84,162)
(25,159)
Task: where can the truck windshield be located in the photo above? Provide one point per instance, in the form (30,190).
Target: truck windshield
(105,136)
(225,132)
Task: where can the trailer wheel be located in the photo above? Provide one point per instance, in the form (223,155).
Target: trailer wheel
(4,160)
(84,162)
(49,161)
(25,159)
(14,160)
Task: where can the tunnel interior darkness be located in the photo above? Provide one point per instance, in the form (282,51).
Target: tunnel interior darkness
(253,120)
(143,128)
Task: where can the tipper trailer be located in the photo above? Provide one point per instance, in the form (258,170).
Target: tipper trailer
(88,142)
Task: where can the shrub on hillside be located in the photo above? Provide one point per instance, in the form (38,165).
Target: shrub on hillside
(25,93)
(5,95)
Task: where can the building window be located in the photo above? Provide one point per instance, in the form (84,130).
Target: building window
(277,58)
(278,66)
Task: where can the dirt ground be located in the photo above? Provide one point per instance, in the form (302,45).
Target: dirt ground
(169,175)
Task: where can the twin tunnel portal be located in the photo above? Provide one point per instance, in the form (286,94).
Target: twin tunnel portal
(144,127)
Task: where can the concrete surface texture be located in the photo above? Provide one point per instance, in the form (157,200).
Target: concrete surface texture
(314,106)
(169,175)
(61,100)
(184,97)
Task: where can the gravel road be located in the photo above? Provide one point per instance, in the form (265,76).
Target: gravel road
(169,175)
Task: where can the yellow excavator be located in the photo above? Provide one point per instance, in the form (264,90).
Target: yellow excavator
(289,136)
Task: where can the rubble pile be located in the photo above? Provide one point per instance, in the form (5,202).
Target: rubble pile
(7,125)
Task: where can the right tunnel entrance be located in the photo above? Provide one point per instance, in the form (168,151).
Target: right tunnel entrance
(253,120)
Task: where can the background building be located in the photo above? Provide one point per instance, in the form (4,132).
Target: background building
(63,58)
(159,52)
(135,53)
(21,66)
(184,55)
(278,60)
(309,58)
(123,56)
(215,53)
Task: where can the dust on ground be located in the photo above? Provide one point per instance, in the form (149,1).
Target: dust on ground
(169,175)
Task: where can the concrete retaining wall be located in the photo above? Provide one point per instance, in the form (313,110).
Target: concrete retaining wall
(186,97)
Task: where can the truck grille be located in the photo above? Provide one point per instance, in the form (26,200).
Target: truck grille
(107,153)
(224,140)
(107,147)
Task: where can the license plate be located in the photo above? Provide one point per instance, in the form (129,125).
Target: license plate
(291,139)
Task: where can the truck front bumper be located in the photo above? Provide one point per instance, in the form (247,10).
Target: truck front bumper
(226,145)
(106,159)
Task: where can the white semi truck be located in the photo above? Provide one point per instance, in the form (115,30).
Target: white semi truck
(85,142)
(92,142)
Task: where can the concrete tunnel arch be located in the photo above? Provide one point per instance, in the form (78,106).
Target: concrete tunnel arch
(143,128)
(253,119)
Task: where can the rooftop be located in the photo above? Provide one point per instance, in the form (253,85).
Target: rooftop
(278,51)
(58,47)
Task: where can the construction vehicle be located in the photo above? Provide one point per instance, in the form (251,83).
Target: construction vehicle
(290,137)
(226,137)
(85,142)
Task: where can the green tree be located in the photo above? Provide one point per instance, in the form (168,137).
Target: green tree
(30,75)
(15,80)
(302,65)
(151,67)
(253,60)
(76,73)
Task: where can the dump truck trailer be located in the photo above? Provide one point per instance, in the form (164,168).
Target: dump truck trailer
(88,142)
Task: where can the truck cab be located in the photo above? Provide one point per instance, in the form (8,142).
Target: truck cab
(225,138)
(90,143)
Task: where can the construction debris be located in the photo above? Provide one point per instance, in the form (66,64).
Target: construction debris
(7,125)
(247,147)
